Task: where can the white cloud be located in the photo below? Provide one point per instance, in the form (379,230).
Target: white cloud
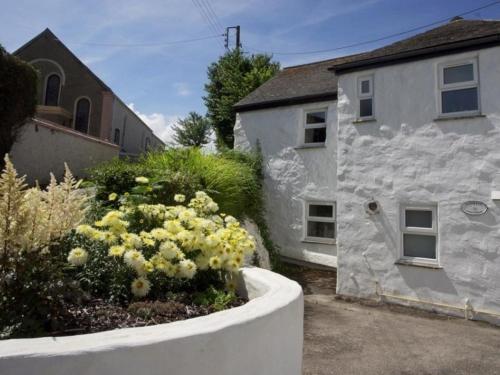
(160,124)
(182,88)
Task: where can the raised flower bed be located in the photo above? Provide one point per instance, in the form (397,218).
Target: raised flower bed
(264,336)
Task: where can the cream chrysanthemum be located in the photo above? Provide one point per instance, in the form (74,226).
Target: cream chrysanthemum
(116,251)
(141,180)
(78,256)
(141,287)
(179,198)
(134,258)
(187,268)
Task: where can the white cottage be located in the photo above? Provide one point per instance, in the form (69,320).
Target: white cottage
(386,165)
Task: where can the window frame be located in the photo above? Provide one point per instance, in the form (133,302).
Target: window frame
(419,231)
(362,96)
(46,81)
(75,106)
(442,87)
(322,219)
(115,133)
(321,125)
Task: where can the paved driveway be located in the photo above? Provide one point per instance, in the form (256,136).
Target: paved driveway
(353,338)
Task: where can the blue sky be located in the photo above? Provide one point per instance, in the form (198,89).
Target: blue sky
(163,82)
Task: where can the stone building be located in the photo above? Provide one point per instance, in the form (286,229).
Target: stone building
(73,101)
(386,164)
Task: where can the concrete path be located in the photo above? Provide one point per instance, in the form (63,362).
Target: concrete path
(358,338)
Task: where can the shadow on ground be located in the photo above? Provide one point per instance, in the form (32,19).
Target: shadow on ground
(342,337)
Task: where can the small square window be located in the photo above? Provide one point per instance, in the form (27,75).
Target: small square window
(418,218)
(319,222)
(419,246)
(456,74)
(315,127)
(461,100)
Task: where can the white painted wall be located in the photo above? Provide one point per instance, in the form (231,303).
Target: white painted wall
(292,174)
(44,147)
(263,336)
(405,156)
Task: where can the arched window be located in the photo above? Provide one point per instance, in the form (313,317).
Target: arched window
(82,115)
(116,138)
(147,144)
(52,90)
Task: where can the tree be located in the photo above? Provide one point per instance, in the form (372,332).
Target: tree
(193,130)
(18,86)
(230,79)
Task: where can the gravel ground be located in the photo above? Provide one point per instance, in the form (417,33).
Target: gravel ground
(366,338)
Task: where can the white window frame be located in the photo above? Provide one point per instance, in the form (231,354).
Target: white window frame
(419,231)
(442,87)
(369,95)
(314,126)
(322,219)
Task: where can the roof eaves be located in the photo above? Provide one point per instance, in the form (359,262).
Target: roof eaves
(418,54)
(286,102)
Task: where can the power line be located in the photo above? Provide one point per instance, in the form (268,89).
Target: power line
(212,12)
(378,39)
(207,16)
(154,44)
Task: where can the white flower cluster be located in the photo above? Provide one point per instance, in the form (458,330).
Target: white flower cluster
(186,240)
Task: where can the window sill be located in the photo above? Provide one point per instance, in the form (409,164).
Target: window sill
(364,120)
(320,242)
(416,263)
(463,117)
(312,145)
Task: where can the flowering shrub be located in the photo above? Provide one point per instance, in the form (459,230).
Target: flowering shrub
(32,222)
(155,241)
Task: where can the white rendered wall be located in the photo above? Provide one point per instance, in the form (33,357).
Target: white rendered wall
(405,156)
(292,174)
(261,337)
(44,147)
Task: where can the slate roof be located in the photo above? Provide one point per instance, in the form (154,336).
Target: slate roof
(317,81)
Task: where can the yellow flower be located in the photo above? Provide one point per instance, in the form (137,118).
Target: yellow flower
(187,269)
(140,287)
(78,256)
(112,196)
(215,262)
(179,198)
(134,258)
(116,251)
(141,180)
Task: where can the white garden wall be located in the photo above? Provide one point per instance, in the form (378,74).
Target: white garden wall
(293,174)
(406,156)
(261,337)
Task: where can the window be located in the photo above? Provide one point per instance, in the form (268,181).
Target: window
(365,95)
(82,115)
(419,233)
(147,144)
(52,89)
(315,127)
(116,137)
(320,222)
(459,88)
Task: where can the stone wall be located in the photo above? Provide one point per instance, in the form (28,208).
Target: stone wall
(406,156)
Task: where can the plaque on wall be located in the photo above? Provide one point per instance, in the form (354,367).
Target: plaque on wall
(474,208)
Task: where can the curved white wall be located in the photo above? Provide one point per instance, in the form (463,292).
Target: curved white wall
(407,156)
(261,337)
(292,174)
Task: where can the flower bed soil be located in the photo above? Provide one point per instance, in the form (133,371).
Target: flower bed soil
(98,315)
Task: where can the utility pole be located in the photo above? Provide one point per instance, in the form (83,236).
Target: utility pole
(237,41)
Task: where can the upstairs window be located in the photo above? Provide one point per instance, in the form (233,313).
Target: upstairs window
(82,115)
(320,222)
(116,137)
(147,144)
(365,96)
(459,88)
(52,90)
(315,127)
(419,233)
